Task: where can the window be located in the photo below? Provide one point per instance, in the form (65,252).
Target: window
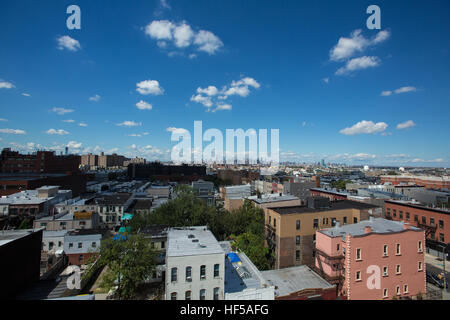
(405,288)
(338,247)
(316,223)
(173,296)
(388,213)
(385,250)
(385,271)
(202,272)
(358,275)
(188,274)
(333,222)
(407,216)
(355,220)
(71,245)
(420,247)
(162,244)
(401,214)
(398,269)
(59,243)
(416,218)
(297,224)
(216,270)
(202,294)
(395,213)
(441,237)
(297,255)
(398,249)
(441,224)
(80,257)
(187,295)
(424,220)
(385,293)
(216,293)
(398,290)
(173,275)
(420,268)
(358,254)
(274,222)
(270,219)
(94,244)
(80,245)
(432,222)
(297,240)
(345,220)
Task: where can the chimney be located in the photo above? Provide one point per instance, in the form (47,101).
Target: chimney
(367,229)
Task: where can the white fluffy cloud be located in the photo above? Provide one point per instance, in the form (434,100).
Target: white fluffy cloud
(60,132)
(82,124)
(211,96)
(13,131)
(142,105)
(26,94)
(358,64)
(129,123)
(62,111)
(6,85)
(405,125)
(182,35)
(95,98)
(176,130)
(66,42)
(347,47)
(398,91)
(365,127)
(149,87)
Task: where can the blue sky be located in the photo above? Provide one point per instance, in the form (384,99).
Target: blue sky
(335,89)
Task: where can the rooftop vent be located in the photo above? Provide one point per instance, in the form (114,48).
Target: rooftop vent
(195,240)
(191,236)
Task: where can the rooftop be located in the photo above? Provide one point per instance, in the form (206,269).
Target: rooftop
(290,280)
(7,236)
(113,199)
(378,225)
(28,197)
(334,205)
(270,198)
(240,272)
(191,241)
(417,205)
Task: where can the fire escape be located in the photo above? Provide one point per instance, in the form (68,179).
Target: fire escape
(336,263)
(429,229)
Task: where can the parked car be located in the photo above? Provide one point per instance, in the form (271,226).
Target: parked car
(436,280)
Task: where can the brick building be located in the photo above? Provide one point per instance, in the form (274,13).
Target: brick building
(290,231)
(372,260)
(435,222)
(429,182)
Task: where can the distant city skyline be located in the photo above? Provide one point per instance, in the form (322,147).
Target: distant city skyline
(140,70)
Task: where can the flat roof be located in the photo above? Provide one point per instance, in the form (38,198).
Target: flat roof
(334,205)
(272,198)
(378,225)
(28,197)
(417,205)
(7,236)
(290,280)
(190,241)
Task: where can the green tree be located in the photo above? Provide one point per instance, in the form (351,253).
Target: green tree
(129,263)
(253,246)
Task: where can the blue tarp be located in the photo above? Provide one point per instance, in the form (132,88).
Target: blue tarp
(233,257)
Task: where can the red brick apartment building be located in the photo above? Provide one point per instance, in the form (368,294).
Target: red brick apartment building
(39,162)
(429,182)
(332,195)
(435,222)
(376,259)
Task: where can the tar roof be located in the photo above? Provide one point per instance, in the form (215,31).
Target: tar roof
(191,241)
(294,279)
(334,205)
(378,225)
(11,235)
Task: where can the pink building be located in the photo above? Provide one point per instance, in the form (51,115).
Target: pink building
(374,259)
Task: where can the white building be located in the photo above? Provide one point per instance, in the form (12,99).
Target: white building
(53,241)
(195,265)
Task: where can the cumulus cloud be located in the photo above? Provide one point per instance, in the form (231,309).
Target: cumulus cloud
(6,85)
(181,35)
(129,124)
(365,127)
(147,87)
(176,130)
(60,132)
(13,131)
(398,91)
(405,125)
(211,96)
(95,98)
(347,47)
(68,43)
(358,64)
(62,111)
(142,105)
